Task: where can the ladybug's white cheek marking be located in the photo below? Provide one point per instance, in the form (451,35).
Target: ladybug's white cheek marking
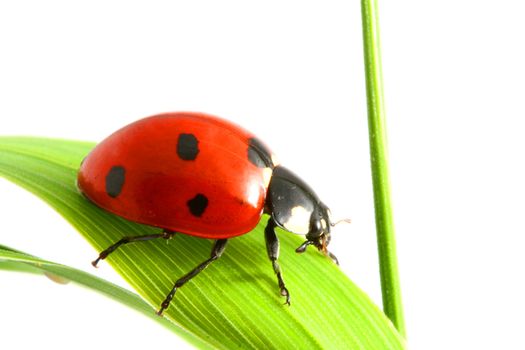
(267,175)
(275,160)
(323,224)
(299,221)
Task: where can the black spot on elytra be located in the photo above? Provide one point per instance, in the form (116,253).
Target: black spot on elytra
(259,155)
(198,205)
(187,147)
(115,180)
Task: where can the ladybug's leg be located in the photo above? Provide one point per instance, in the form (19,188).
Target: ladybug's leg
(216,252)
(272,247)
(165,234)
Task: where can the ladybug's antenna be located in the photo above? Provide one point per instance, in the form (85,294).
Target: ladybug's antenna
(348,221)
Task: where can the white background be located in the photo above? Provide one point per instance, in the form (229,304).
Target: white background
(293,74)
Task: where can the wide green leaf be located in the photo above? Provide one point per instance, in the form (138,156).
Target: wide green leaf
(233,304)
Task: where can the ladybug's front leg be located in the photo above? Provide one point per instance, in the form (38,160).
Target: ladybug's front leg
(272,247)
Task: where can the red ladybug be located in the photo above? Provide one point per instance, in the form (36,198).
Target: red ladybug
(199,175)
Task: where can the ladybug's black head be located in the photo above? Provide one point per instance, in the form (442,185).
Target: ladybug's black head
(295,207)
(319,233)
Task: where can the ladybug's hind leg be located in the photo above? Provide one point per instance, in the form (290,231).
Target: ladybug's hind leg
(272,247)
(130,239)
(216,252)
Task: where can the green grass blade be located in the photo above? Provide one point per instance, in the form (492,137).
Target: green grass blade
(14,260)
(235,302)
(390,284)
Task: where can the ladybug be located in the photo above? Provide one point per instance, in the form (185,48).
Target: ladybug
(199,175)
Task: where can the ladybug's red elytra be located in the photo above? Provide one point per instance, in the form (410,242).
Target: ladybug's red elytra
(199,175)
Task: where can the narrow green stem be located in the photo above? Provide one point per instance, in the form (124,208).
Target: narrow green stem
(390,284)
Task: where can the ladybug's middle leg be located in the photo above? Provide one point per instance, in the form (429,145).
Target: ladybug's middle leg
(272,247)
(216,252)
(130,239)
